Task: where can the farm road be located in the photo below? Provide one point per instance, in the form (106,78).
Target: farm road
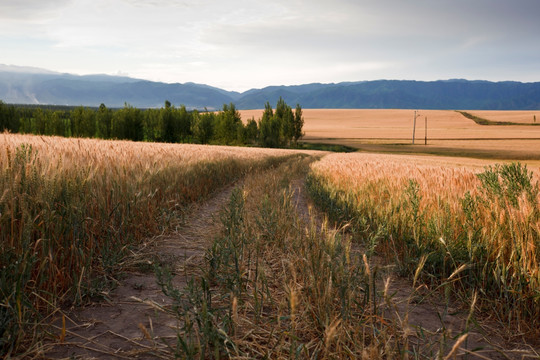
(135,322)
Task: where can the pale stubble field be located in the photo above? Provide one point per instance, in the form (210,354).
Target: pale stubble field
(448,132)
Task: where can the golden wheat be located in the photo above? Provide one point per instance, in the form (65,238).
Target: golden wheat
(484,219)
(71,209)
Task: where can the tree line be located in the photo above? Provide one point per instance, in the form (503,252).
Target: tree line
(279,128)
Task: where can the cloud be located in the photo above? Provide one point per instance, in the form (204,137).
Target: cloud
(29,10)
(157,3)
(243,42)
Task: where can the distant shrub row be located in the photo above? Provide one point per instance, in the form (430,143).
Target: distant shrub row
(168,124)
(482,121)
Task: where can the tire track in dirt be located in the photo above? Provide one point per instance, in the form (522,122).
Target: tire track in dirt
(134,321)
(134,325)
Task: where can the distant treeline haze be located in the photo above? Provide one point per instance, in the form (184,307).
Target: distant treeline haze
(171,124)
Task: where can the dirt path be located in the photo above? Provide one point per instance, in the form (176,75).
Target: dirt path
(134,322)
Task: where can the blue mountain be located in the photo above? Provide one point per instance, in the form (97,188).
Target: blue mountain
(20,85)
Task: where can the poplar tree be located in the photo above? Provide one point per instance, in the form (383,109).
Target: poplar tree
(298,124)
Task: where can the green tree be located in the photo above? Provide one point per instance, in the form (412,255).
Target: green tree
(286,126)
(276,129)
(3,116)
(118,125)
(251,131)
(265,138)
(9,118)
(134,123)
(83,122)
(268,113)
(151,125)
(281,107)
(103,122)
(167,124)
(25,125)
(127,123)
(57,124)
(203,127)
(228,121)
(39,122)
(182,119)
(269,128)
(298,124)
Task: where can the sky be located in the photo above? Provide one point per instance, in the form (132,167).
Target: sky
(243,44)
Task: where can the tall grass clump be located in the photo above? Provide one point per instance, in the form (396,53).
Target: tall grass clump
(71,211)
(482,223)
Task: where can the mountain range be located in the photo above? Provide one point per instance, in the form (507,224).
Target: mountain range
(25,85)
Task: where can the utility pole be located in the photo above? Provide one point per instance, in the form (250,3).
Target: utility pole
(414,127)
(426,131)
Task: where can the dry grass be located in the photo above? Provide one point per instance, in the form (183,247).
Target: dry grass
(93,152)
(457,217)
(71,210)
(276,287)
(279,283)
(449,133)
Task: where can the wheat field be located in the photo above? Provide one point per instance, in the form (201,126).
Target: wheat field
(457,215)
(448,132)
(72,210)
(398,124)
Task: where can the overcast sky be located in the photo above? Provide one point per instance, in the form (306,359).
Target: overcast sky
(243,44)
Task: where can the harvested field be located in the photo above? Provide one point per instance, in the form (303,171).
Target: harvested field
(392,124)
(449,133)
